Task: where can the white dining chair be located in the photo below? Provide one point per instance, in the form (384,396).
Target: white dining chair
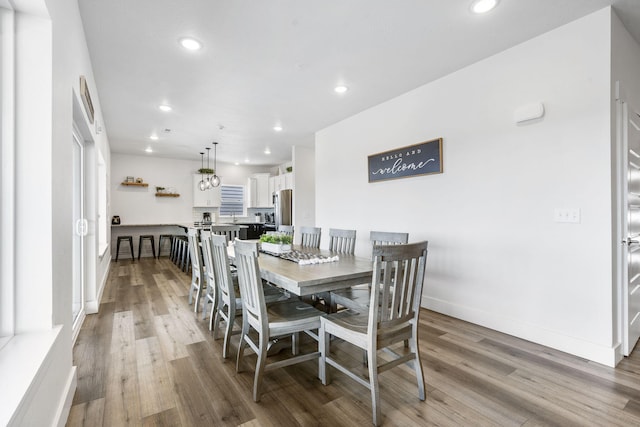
(357,297)
(197,282)
(286,229)
(211,294)
(232,232)
(229,300)
(310,237)
(392,318)
(342,241)
(275,320)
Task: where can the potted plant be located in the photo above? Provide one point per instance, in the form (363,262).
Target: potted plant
(159,189)
(277,243)
(206,171)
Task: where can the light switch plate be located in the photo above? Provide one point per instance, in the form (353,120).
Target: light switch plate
(567,215)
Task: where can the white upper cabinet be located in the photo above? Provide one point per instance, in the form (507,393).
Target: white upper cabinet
(259,194)
(281,182)
(207,198)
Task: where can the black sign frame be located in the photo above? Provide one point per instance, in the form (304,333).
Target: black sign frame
(420,159)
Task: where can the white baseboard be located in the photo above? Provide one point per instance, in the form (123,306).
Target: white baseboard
(618,353)
(65,404)
(527,331)
(92,307)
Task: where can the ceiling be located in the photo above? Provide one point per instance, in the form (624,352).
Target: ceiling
(276,62)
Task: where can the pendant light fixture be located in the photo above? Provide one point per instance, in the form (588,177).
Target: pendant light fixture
(215,180)
(207,182)
(202,185)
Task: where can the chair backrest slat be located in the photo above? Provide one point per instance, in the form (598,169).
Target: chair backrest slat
(310,236)
(343,241)
(399,275)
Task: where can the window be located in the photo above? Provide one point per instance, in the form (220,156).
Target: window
(231,200)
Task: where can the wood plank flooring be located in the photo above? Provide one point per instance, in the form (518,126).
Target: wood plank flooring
(146,359)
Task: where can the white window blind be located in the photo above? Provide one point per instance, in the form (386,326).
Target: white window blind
(231,200)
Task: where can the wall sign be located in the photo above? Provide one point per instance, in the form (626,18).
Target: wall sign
(419,159)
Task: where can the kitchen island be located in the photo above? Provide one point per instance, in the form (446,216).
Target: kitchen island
(136,230)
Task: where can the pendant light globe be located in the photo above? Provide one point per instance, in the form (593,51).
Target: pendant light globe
(202,185)
(215,180)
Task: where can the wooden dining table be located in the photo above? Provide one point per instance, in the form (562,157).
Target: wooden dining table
(310,279)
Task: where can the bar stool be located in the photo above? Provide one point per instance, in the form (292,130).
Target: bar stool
(164,236)
(182,258)
(174,248)
(124,239)
(186,257)
(150,238)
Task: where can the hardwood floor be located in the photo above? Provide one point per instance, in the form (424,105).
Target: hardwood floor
(146,359)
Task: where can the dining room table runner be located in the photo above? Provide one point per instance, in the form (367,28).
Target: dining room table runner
(304,258)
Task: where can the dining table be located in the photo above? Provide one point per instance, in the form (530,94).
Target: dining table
(304,279)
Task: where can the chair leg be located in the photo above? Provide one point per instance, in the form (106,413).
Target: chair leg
(228,331)
(216,323)
(245,332)
(197,299)
(205,302)
(260,367)
(213,314)
(117,250)
(295,343)
(131,246)
(417,366)
(373,382)
(324,340)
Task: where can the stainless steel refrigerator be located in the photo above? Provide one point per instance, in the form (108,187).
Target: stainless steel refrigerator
(283,207)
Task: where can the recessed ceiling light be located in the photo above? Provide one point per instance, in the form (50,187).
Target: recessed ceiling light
(267,151)
(236,163)
(483,6)
(246,160)
(153,137)
(277,128)
(148,150)
(190,43)
(165,108)
(340,89)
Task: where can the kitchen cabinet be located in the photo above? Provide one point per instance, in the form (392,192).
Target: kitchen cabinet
(281,182)
(258,187)
(207,198)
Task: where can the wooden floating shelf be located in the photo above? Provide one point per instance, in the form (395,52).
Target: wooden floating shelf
(167,195)
(136,184)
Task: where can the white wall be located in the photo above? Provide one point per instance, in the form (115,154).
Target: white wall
(304,192)
(496,256)
(51,56)
(139,205)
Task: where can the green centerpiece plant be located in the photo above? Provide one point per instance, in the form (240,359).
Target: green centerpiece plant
(276,243)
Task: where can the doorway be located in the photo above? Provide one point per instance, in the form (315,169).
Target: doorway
(79,231)
(628,129)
